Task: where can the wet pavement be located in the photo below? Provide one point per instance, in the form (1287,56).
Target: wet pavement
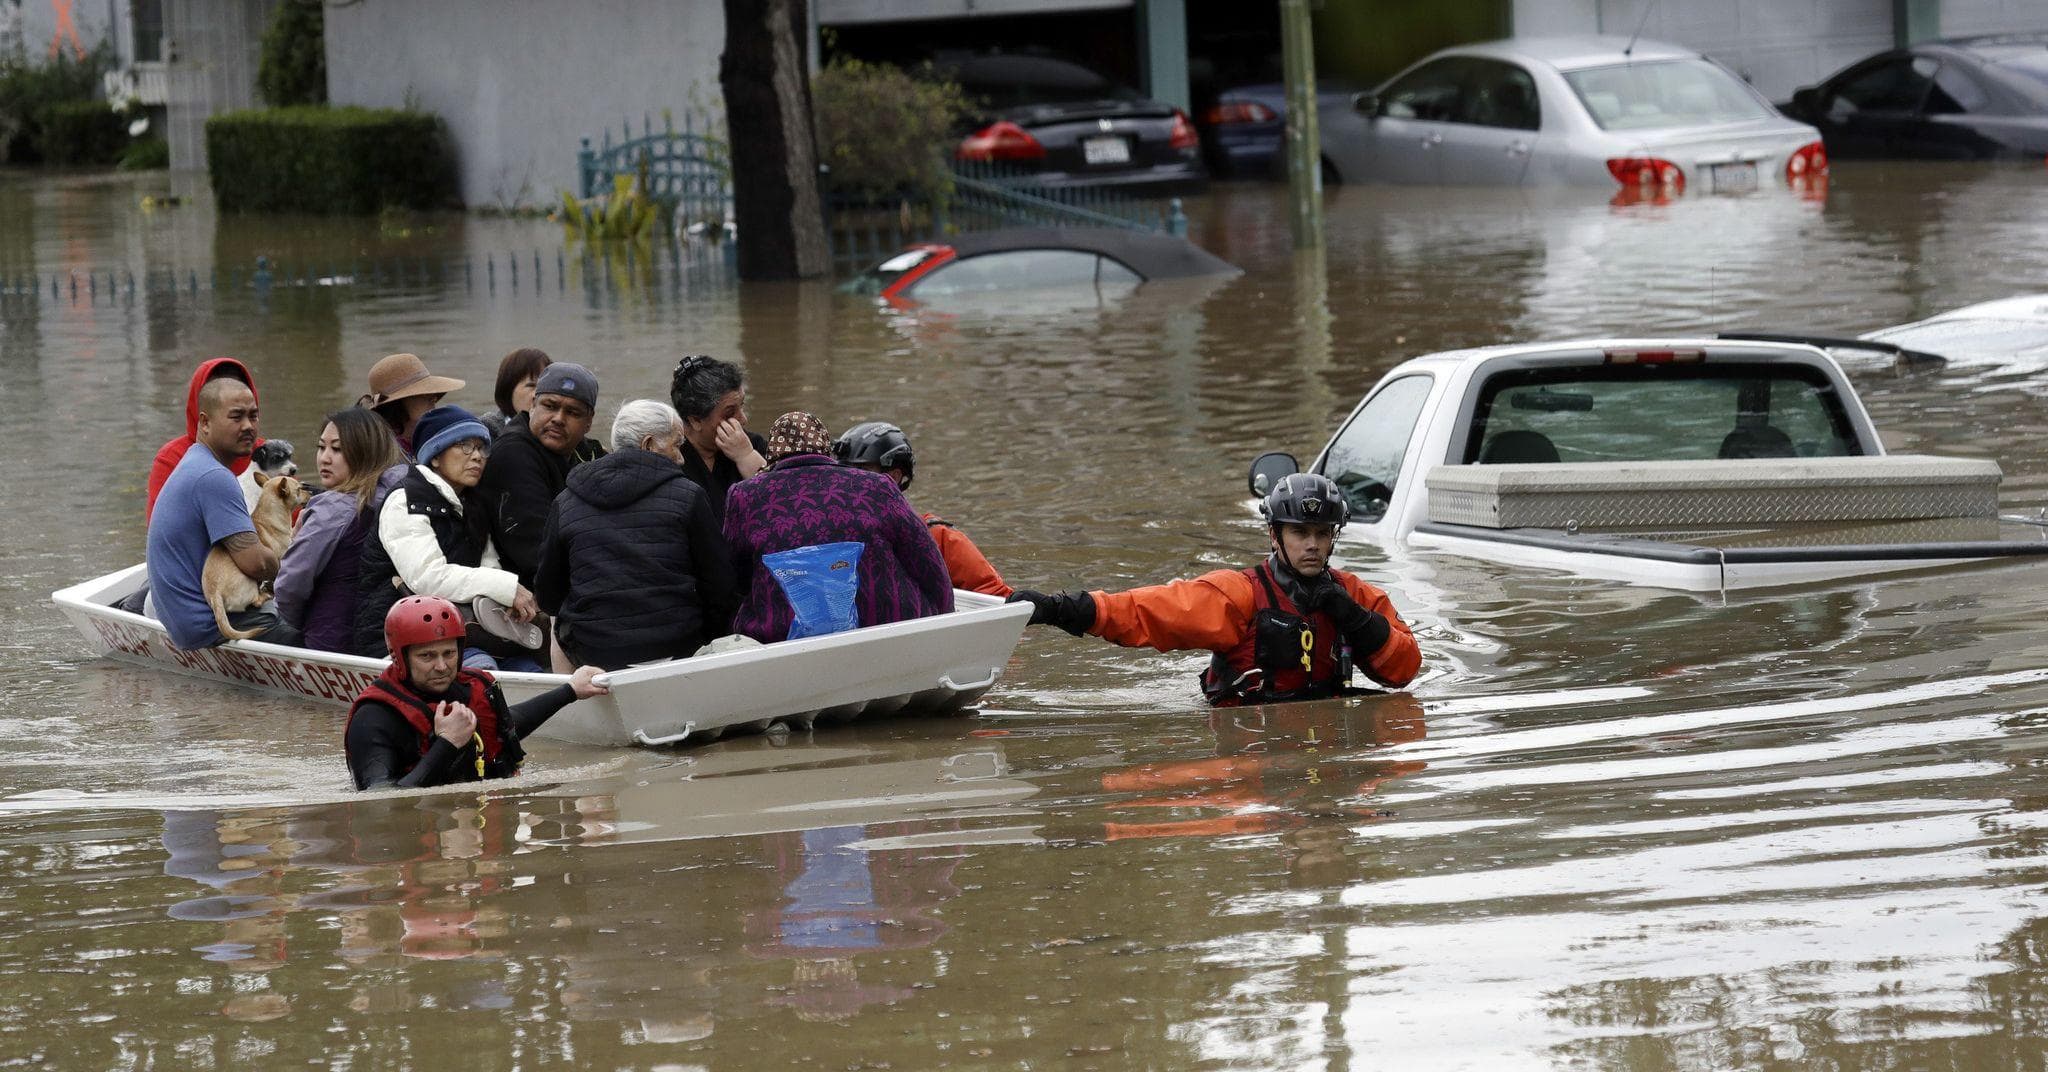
(1611,828)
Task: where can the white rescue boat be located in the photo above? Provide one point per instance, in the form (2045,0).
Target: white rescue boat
(934,665)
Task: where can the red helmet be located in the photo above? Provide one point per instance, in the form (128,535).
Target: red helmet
(420,620)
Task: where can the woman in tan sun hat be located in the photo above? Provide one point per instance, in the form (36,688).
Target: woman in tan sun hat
(401,389)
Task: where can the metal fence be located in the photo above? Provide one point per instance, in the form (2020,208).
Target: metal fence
(687,172)
(585,274)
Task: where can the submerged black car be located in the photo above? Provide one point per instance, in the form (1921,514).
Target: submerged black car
(1069,126)
(1965,99)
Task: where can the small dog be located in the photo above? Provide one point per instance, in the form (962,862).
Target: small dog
(273,458)
(227,588)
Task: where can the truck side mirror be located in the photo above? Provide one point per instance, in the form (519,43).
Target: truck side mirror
(1365,104)
(1806,102)
(1269,469)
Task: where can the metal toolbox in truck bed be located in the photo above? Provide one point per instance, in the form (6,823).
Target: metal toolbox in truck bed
(1762,491)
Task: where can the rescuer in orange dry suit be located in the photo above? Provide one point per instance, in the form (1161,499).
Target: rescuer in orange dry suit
(1289,628)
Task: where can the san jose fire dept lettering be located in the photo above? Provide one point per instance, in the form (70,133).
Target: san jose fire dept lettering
(316,681)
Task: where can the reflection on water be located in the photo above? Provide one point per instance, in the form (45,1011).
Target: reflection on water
(1641,830)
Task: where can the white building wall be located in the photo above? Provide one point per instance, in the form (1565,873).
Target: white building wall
(1963,17)
(518,82)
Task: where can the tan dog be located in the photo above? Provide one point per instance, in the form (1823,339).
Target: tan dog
(227,588)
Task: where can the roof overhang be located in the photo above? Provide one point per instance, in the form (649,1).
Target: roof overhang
(853,12)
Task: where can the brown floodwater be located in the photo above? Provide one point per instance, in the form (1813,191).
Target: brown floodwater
(1610,828)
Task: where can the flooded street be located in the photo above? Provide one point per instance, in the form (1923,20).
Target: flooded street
(1611,828)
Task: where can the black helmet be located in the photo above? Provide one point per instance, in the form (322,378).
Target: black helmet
(1306,499)
(876,443)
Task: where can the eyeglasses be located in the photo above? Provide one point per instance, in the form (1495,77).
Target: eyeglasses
(472,447)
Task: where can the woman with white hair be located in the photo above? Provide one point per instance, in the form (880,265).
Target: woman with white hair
(632,565)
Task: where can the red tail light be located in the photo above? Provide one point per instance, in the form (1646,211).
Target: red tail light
(1239,112)
(1000,140)
(1647,172)
(1183,136)
(1807,161)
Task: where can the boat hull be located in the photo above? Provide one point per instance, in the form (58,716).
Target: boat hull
(935,665)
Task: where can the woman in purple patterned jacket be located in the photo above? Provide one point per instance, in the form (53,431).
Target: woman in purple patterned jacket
(804,499)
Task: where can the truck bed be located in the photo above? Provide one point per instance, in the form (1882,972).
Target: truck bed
(1734,557)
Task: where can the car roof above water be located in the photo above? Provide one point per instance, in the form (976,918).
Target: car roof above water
(1575,52)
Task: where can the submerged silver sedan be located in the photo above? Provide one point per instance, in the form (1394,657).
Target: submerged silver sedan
(1651,119)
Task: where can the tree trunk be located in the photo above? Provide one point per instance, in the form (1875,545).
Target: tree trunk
(774,157)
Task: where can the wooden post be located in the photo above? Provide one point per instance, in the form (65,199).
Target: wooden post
(774,156)
(1304,142)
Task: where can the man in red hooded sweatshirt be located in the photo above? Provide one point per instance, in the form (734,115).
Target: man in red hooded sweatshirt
(168,457)
(170,454)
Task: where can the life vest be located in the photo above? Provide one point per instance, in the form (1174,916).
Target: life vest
(1287,655)
(502,754)
(461,533)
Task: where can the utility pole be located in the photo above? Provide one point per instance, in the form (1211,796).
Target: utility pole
(1304,142)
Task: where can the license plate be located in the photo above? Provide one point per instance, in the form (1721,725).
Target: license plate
(1731,178)
(1111,150)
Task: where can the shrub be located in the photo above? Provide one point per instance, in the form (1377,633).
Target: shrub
(338,161)
(28,90)
(293,67)
(145,154)
(883,132)
(80,132)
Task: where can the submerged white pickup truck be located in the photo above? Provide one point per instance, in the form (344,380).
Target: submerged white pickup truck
(1693,464)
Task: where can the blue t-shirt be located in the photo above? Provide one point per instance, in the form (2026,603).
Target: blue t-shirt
(200,505)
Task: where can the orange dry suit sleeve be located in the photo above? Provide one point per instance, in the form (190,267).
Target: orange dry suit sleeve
(1400,658)
(1213,612)
(965,563)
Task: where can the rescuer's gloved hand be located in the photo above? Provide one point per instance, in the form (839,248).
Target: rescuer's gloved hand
(1071,611)
(1365,629)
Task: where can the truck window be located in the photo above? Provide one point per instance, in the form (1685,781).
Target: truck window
(1365,457)
(1674,413)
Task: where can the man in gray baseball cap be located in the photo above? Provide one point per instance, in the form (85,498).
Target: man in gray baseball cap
(530,463)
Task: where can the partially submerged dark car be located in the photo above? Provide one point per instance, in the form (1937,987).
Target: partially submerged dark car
(1066,125)
(1972,98)
(989,262)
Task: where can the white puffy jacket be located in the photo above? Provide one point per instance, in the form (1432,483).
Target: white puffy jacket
(416,554)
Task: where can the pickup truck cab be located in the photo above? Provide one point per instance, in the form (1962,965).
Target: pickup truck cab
(1695,464)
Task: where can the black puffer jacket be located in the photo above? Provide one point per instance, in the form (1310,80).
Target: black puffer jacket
(632,565)
(520,483)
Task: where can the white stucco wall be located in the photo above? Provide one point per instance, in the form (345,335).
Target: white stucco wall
(520,81)
(1963,17)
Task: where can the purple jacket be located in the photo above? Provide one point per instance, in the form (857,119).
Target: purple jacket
(316,579)
(809,499)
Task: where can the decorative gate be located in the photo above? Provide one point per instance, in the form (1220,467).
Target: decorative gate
(687,172)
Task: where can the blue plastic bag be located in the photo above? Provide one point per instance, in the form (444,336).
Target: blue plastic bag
(820,582)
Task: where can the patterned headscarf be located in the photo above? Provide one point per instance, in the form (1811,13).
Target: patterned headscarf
(797,432)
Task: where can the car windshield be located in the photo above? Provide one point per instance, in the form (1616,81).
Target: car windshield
(1666,413)
(1003,82)
(877,279)
(1666,93)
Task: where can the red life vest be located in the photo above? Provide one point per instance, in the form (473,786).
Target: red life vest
(1287,655)
(475,688)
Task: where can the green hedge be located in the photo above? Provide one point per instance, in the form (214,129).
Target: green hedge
(336,161)
(80,132)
